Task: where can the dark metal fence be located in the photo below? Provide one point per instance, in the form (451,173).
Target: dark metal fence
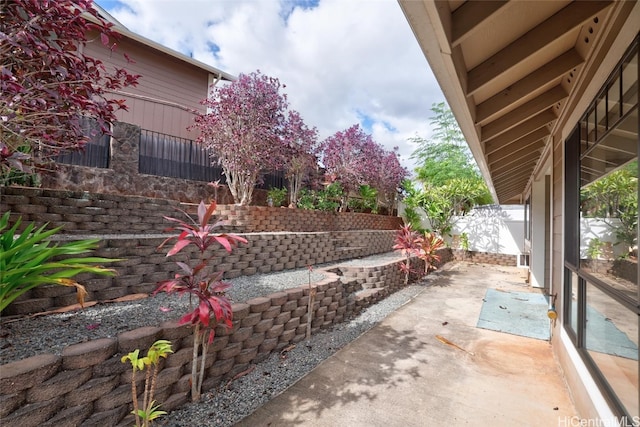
(95,153)
(166,155)
(273,180)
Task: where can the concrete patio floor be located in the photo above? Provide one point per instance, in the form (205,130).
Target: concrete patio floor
(400,374)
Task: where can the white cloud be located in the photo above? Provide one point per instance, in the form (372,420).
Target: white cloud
(340,60)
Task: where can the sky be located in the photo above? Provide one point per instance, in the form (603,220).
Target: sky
(343,62)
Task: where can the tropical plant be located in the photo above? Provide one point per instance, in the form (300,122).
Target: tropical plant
(407,241)
(595,248)
(455,198)
(246,127)
(29,259)
(328,199)
(48,83)
(307,199)
(213,307)
(367,202)
(464,242)
(428,246)
(149,411)
(451,182)
(276,196)
(615,196)
(412,217)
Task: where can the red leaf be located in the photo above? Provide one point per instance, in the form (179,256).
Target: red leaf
(104,39)
(180,244)
(224,242)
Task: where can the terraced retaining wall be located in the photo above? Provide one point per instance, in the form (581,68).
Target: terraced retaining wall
(88,385)
(143,265)
(96,213)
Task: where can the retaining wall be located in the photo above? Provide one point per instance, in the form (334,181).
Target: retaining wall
(88,385)
(485,257)
(98,213)
(143,265)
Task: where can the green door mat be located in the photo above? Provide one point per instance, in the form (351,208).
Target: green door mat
(517,313)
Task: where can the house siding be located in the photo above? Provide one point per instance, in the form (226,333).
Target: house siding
(168,90)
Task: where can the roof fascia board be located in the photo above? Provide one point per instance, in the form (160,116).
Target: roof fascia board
(437,50)
(121,29)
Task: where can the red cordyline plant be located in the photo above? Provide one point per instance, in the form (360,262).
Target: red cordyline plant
(425,246)
(407,241)
(429,245)
(213,307)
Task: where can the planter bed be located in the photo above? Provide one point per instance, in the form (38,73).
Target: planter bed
(84,382)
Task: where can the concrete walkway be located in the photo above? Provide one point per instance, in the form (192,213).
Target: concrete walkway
(400,374)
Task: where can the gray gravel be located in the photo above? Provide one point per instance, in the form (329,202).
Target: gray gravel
(28,337)
(31,336)
(230,402)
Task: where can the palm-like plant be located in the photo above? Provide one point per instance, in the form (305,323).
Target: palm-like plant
(407,241)
(199,282)
(150,411)
(30,259)
(428,246)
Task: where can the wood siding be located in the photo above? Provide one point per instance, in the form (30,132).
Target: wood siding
(168,89)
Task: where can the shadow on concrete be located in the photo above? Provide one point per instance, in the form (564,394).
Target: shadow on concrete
(367,376)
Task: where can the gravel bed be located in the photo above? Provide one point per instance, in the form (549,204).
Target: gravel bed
(31,336)
(232,401)
(51,333)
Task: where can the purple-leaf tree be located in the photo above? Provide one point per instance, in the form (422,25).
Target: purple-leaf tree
(345,157)
(47,84)
(387,177)
(353,158)
(302,143)
(245,129)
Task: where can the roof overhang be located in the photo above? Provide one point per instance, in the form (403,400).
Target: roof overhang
(508,70)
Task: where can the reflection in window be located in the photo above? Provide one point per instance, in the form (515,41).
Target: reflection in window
(611,338)
(573,306)
(605,280)
(609,182)
(608,229)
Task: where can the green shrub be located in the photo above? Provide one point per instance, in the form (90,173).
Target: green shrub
(276,196)
(29,259)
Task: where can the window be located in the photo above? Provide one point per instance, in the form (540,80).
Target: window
(601,294)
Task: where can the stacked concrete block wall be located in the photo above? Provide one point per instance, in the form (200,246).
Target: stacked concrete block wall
(267,219)
(626,269)
(88,385)
(144,265)
(84,213)
(486,257)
